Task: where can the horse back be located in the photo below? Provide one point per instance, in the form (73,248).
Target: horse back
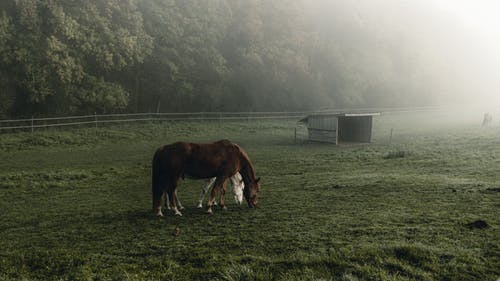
(171,158)
(196,160)
(214,159)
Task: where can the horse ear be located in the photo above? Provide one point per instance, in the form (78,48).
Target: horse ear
(257,180)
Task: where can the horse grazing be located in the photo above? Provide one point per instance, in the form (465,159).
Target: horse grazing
(221,159)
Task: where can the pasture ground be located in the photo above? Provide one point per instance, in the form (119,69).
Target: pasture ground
(75,205)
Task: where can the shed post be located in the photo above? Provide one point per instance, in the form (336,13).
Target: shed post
(337,131)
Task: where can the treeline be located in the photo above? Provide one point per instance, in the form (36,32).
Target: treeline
(78,56)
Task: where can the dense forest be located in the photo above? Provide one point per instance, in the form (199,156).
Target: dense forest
(61,57)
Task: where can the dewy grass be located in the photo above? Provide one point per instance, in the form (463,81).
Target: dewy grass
(75,205)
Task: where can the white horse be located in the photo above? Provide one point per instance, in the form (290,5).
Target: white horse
(236,183)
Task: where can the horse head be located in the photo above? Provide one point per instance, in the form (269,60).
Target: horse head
(251,192)
(247,172)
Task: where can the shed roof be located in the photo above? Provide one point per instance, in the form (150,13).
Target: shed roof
(345,114)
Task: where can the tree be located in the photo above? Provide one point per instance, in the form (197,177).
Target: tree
(65,54)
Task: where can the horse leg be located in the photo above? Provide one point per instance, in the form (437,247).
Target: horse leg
(206,187)
(165,198)
(237,183)
(158,195)
(223,191)
(167,201)
(172,195)
(178,201)
(217,186)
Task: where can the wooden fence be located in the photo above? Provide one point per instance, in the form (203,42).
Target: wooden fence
(30,124)
(95,120)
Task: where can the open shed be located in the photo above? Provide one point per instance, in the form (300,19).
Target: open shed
(339,127)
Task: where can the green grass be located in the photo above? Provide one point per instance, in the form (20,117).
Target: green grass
(75,205)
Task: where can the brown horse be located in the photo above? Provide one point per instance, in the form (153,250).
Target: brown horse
(220,159)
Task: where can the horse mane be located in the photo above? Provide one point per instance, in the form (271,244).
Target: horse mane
(247,170)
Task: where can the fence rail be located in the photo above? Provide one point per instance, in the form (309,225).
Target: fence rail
(50,122)
(37,123)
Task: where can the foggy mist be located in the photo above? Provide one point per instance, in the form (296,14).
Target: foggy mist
(451,47)
(140,56)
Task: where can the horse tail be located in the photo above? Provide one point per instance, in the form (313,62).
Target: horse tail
(156,188)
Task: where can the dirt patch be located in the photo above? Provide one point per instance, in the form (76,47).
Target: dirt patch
(478,224)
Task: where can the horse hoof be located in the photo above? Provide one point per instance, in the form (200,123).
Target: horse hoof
(209,211)
(199,206)
(178,214)
(181,208)
(224,208)
(159,214)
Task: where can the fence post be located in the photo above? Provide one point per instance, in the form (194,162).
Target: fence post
(390,137)
(95,121)
(295,135)
(32,125)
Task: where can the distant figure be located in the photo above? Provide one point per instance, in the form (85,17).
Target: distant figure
(487,119)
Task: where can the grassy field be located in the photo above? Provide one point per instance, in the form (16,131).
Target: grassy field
(76,205)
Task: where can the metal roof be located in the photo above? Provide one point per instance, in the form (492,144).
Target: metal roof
(345,114)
